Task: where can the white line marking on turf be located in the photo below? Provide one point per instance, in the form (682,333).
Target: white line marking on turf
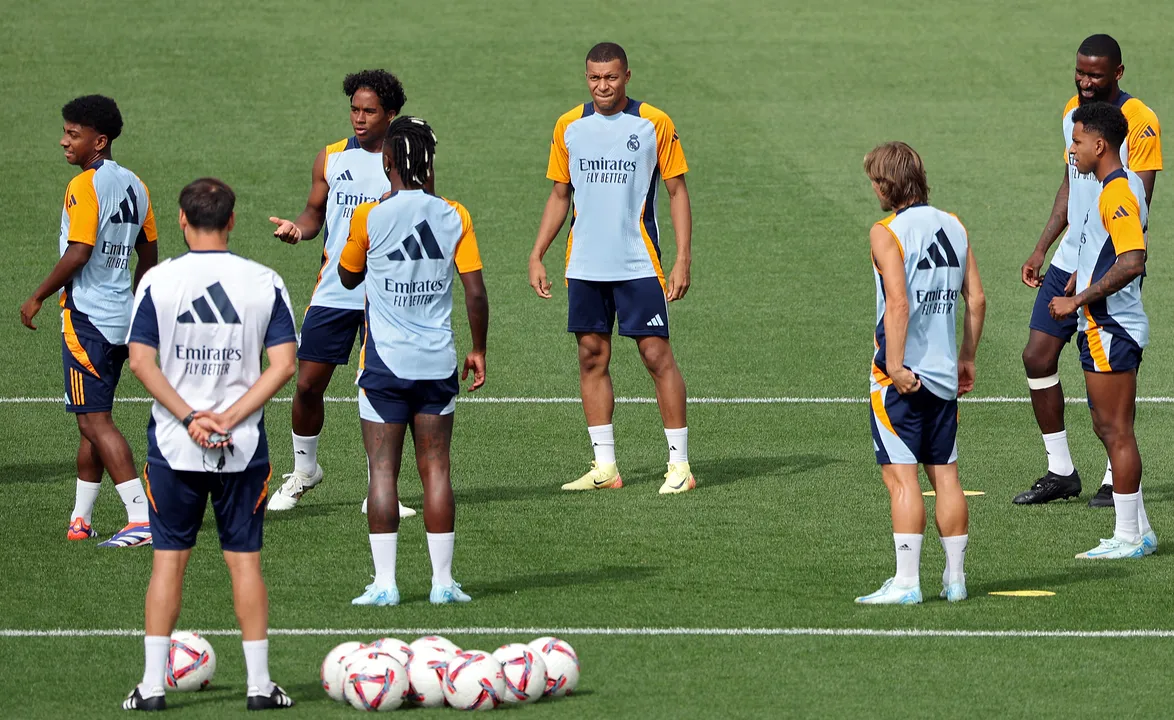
(1155,400)
(639,631)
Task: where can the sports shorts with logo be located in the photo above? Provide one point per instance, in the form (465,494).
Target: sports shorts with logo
(328,334)
(92,370)
(385,398)
(640,305)
(918,428)
(177,500)
(1055,281)
(1104,351)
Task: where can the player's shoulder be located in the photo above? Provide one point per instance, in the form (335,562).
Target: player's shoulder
(1117,194)
(1073,103)
(650,112)
(334,148)
(576,113)
(83,181)
(460,210)
(1138,114)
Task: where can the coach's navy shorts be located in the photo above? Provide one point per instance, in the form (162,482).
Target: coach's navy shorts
(92,369)
(178,499)
(592,306)
(916,428)
(385,398)
(1105,352)
(1055,280)
(328,334)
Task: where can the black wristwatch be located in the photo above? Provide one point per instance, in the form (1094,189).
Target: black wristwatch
(187,421)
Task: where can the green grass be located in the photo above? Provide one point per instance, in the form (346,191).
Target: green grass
(776,103)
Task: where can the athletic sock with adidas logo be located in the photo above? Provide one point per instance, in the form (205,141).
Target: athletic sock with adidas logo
(908,548)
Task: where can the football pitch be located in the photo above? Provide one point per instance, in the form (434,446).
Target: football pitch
(731,601)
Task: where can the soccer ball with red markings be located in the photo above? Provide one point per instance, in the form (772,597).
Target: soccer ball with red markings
(376,683)
(426,672)
(525,672)
(191,662)
(434,641)
(395,647)
(474,681)
(562,665)
(332,668)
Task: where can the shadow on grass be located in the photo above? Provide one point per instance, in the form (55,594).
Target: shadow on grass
(42,472)
(595,576)
(1086,571)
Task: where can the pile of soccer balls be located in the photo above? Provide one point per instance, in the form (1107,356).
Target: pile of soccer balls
(433,672)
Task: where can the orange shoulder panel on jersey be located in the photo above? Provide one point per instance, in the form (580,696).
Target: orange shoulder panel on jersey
(558,167)
(1072,105)
(150,231)
(669,155)
(354,253)
(81,205)
(885,224)
(468,255)
(332,149)
(1121,216)
(1145,136)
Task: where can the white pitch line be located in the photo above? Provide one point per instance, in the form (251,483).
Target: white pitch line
(993,400)
(630,631)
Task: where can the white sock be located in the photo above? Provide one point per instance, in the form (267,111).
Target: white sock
(440,551)
(83,500)
(134,499)
(1059,459)
(257,666)
(603,442)
(908,559)
(305,453)
(1127,521)
(1108,474)
(955,548)
(678,444)
(156,647)
(383,553)
(1143,520)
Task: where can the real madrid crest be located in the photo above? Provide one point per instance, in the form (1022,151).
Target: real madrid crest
(633,143)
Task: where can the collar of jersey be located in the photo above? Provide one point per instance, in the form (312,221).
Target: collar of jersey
(921,204)
(1118,173)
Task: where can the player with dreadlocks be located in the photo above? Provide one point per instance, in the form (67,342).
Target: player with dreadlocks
(408,247)
(346,174)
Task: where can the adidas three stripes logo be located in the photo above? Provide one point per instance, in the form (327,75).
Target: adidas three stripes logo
(203,310)
(940,254)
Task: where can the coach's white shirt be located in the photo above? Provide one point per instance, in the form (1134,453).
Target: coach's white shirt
(210,315)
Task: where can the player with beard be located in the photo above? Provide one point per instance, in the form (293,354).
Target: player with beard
(1098,72)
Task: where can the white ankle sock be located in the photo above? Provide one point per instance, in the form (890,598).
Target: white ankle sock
(383,554)
(1108,474)
(134,499)
(908,548)
(955,547)
(440,551)
(257,665)
(1059,459)
(83,500)
(1125,506)
(1143,520)
(156,648)
(678,444)
(305,453)
(603,442)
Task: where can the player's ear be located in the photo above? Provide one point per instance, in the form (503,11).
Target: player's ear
(101,142)
(1120,71)
(627,75)
(183,220)
(231,222)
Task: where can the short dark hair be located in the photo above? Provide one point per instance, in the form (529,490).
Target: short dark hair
(411,145)
(1101,46)
(385,85)
(1103,119)
(207,203)
(606,52)
(898,171)
(94,111)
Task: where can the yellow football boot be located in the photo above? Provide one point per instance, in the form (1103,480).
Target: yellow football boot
(601,477)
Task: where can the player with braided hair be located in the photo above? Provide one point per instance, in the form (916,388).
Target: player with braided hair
(407,248)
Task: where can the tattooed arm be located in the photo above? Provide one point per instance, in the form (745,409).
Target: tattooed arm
(1129,266)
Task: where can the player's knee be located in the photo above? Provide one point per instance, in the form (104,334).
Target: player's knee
(658,358)
(592,359)
(93,425)
(308,389)
(1038,362)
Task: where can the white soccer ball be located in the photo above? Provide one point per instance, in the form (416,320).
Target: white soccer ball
(426,671)
(562,665)
(376,683)
(474,681)
(332,666)
(395,647)
(191,662)
(525,672)
(434,641)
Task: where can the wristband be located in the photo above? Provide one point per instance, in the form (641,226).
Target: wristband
(187,421)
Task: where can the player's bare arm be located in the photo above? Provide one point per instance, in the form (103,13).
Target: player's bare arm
(972,322)
(887,257)
(553,217)
(477,306)
(682,216)
(350,279)
(1129,266)
(1148,179)
(143,364)
(148,257)
(309,223)
(75,258)
(1057,221)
